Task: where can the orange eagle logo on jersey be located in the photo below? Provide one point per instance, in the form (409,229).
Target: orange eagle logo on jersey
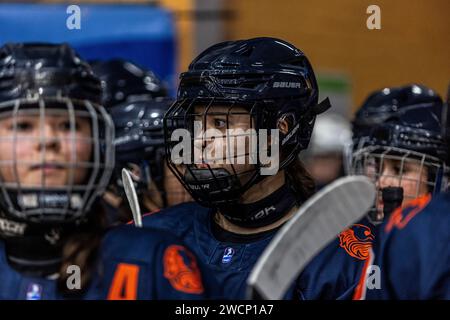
(180,268)
(357,241)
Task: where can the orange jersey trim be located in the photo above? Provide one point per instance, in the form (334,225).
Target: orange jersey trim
(360,290)
(397,219)
(144,215)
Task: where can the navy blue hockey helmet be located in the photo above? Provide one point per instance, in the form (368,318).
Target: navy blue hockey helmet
(124,81)
(409,117)
(137,101)
(402,124)
(412,117)
(272,80)
(139,140)
(39,82)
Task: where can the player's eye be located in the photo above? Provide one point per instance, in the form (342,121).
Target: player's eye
(220,123)
(66,125)
(22,126)
(373,163)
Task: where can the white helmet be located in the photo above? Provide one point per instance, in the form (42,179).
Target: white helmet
(332,134)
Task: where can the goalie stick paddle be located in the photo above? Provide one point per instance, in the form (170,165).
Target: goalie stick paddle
(132,197)
(318,221)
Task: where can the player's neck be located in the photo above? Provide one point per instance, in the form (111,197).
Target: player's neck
(149,203)
(112,199)
(264,188)
(152,199)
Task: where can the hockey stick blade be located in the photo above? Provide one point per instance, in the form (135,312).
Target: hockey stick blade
(132,197)
(318,221)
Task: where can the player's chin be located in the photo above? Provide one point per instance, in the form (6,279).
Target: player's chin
(50,180)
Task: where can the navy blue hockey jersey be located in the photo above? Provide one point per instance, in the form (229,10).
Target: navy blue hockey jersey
(333,274)
(133,263)
(411,256)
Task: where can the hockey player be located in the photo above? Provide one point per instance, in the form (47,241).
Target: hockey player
(410,258)
(56,160)
(243,90)
(137,100)
(399,142)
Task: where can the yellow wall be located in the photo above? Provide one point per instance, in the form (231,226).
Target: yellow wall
(412,46)
(185,29)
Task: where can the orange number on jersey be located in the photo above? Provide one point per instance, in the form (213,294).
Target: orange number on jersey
(125,282)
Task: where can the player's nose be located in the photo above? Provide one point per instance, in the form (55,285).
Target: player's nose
(387,180)
(48,138)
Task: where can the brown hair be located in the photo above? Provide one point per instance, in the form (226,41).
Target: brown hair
(300,179)
(81,249)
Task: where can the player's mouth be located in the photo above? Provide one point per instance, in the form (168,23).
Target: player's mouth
(48,168)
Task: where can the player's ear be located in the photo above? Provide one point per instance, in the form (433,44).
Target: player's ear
(283,125)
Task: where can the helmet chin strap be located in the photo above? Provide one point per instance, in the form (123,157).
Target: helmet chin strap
(36,249)
(35,255)
(392,199)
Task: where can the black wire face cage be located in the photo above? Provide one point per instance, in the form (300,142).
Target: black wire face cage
(222,173)
(390,165)
(57,158)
